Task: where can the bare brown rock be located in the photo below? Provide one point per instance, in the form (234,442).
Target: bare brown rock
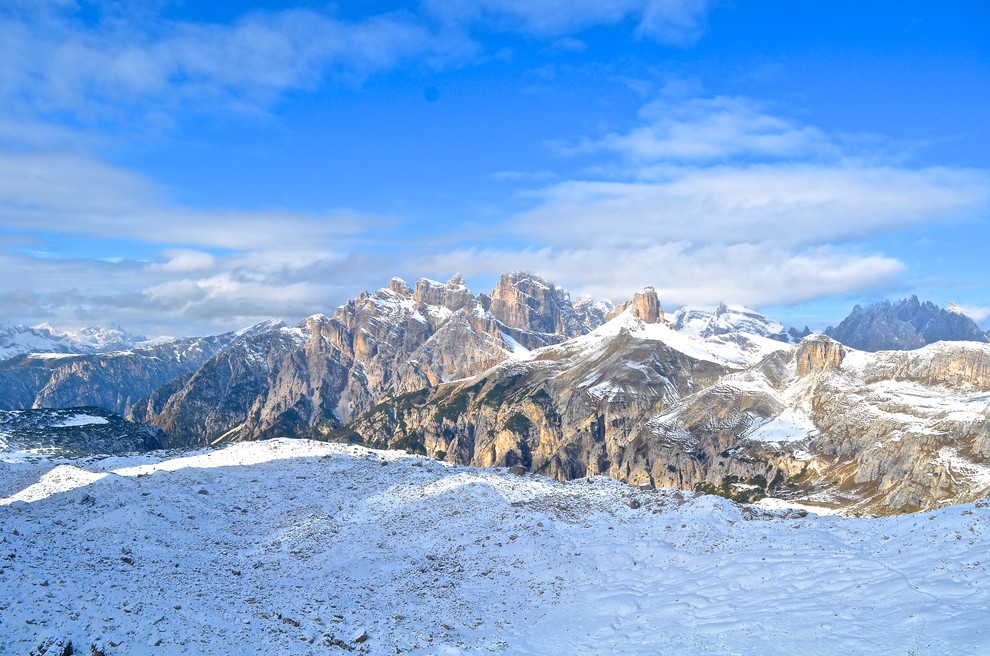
(645,306)
(816,354)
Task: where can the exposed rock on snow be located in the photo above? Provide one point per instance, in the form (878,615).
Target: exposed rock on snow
(72,432)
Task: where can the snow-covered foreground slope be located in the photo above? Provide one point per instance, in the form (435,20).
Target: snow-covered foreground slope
(300,547)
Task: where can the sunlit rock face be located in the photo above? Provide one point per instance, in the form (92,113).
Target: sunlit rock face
(644,305)
(818,354)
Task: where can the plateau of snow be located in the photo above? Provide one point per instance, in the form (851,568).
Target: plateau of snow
(298,547)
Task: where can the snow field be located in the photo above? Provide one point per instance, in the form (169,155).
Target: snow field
(297,547)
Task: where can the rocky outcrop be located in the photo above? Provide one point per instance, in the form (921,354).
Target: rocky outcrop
(818,354)
(534,312)
(907,324)
(571,411)
(592,314)
(644,305)
(884,433)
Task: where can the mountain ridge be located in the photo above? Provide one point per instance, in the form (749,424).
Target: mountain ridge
(716,399)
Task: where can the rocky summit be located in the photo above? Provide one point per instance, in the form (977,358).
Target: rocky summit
(720,399)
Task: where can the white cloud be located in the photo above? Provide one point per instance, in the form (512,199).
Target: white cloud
(185,261)
(788,204)
(181,295)
(131,57)
(978,313)
(712,129)
(79,194)
(750,273)
(216,269)
(677,22)
(716,199)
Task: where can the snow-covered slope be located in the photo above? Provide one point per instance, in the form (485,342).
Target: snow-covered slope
(705,322)
(731,348)
(295,547)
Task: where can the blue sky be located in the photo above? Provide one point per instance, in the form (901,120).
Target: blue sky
(187,167)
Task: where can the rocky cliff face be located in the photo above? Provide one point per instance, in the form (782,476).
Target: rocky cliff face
(818,354)
(907,324)
(885,432)
(535,312)
(576,409)
(569,411)
(644,305)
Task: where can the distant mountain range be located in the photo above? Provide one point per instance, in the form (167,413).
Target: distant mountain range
(904,325)
(17,340)
(720,399)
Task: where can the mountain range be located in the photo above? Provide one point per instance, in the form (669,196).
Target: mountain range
(715,399)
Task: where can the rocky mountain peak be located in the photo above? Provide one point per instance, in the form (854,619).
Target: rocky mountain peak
(400,287)
(526,301)
(453,295)
(645,306)
(592,313)
(955,308)
(725,319)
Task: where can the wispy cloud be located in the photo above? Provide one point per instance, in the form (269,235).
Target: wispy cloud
(788,204)
(676,22)
(79,194)
(705,130)
(978,313)
(131,58)
(208,269)
(58,62)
